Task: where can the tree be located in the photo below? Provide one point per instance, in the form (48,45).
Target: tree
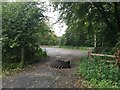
(20,23)
(94,19)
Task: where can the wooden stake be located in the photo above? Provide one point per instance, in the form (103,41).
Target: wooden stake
(22,56)
(95,41)
(89,53)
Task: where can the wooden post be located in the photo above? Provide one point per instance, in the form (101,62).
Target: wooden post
(117,56)
(89,53)
(95,41)
(22,56)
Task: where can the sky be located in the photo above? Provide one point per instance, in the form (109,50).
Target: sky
(58,28)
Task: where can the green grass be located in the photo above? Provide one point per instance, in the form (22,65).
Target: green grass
(99,73)
(75,47)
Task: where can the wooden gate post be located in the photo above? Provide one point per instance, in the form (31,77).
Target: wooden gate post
(89,53)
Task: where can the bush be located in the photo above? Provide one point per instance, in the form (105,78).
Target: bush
(41,53)
(12,66)
(99,73)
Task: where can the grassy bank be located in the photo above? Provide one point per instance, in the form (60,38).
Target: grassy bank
(75,47)
(99,73)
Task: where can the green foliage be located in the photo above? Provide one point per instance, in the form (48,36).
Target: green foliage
(99,73)
(19,23)
(41,53)
(11,68)
(117,46)
(103,49)
(84,20)
(49,38)
(23,24)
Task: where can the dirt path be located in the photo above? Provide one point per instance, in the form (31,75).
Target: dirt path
(41,75)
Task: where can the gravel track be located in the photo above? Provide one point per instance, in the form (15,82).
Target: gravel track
(41,75)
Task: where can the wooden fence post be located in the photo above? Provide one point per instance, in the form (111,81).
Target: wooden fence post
(89,53)
(117,56)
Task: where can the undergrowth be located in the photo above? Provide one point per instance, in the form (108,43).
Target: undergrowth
(11,68)
(99,73)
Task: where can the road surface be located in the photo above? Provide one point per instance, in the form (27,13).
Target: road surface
(41,75)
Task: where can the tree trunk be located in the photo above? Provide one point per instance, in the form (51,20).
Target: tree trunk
(95,41)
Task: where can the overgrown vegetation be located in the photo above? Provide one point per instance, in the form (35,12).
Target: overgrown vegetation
(24,29)
(99,73)
(91,24)
(13,66)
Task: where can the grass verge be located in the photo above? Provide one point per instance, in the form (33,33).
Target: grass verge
(76,47)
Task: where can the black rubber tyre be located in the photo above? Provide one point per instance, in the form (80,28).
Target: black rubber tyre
(60,64)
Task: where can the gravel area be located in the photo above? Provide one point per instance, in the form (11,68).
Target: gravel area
(41,75)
